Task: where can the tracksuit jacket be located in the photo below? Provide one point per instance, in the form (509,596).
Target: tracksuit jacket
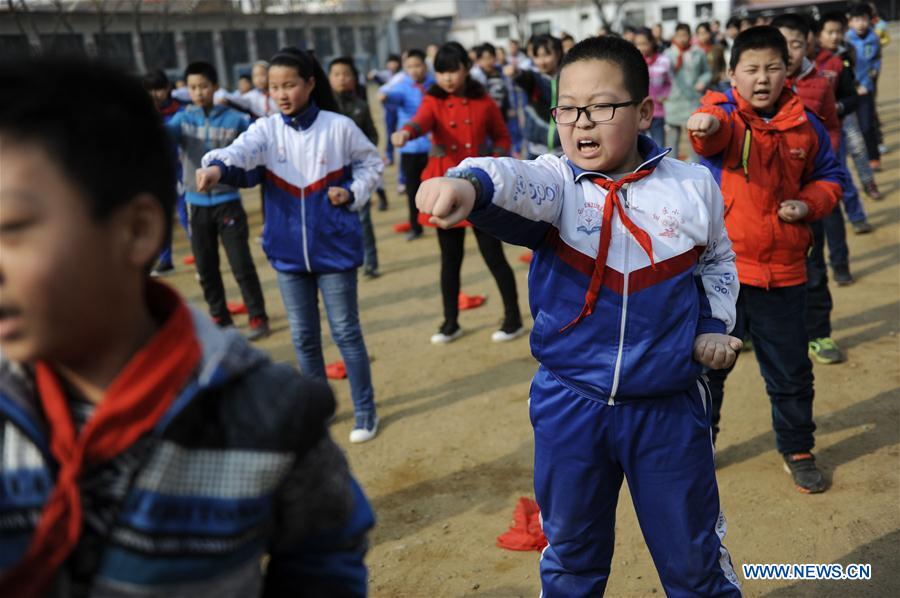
(406,96)
(240,465)
(868,57)
(196,133)
(297,158)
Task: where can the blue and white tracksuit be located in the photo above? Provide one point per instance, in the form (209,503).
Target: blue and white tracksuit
(619,394)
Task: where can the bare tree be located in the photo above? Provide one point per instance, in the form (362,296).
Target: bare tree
(616,9)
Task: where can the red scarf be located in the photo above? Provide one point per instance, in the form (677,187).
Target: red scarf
(650,59)
(707,47)
(133,403)
(641,236)
(679,62)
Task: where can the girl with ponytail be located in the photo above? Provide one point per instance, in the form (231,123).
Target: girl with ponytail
(318,171)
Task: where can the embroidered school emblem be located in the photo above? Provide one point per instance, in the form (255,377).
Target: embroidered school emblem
(589,218)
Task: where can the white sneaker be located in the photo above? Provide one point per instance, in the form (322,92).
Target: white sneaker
(501,337)
(883,149)
(442,339)
(358,435)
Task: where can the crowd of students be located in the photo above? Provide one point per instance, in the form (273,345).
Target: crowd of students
(575,150)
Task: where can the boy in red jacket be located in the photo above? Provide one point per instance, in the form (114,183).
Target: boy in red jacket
(777,172)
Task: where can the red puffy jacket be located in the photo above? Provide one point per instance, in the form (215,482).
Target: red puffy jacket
(817,94)
(760,163)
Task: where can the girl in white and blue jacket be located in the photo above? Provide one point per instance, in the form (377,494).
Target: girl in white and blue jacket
(318,170)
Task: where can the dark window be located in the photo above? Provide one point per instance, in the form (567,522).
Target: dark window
(703,10)
(501,31)
(159,50)
(367,40)
(116,48)
(634,18)
(296,37)
(346,41)
(540,27)
(670,13)
(198,45)
(63,43)
(322,42)
(237,55)
(266,43)
(14,45)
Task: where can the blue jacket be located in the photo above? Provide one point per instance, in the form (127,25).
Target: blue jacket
(196,133)
(406,96)
(638,342)
(297,159)
(241,465)
(868,56)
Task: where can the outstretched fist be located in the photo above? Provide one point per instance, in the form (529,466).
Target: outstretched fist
(702,124)
(207,178)
(716,351)
(399,138)
(448,201)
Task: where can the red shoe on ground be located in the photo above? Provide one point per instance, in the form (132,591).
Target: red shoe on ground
(402,227)
(189,260)
(236,308)
(336,370)
(470,301)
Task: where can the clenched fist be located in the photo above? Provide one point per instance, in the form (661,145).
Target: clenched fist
(702,124)
(716,351)
(207,178)
(338,196)
(399,138)
(447,200)
(793,210)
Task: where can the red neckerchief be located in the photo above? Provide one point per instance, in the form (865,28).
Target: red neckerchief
(170,108)
(679,62)
(640,235)
(650,59)
(705,47)
(133,403)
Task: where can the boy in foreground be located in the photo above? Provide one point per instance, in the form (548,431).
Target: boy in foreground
(632,289)
(773,161)
(143,450)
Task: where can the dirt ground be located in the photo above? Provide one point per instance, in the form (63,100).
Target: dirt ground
(455,448)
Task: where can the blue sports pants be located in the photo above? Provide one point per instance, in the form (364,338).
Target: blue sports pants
(585,447)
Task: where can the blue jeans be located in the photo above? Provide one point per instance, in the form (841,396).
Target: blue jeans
(300,293)
(856,147)
(165,255)
(391,119)
(370,252)
(852,204)
(657,131)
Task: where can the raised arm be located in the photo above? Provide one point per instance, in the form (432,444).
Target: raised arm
(241,163)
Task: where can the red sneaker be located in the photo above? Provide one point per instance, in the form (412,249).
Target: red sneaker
(259,328)
(236,308)
(189,260)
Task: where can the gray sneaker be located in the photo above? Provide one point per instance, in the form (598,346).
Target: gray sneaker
(807,477)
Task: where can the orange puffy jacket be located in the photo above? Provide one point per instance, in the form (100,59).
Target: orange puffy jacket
(817,94)
(760,163)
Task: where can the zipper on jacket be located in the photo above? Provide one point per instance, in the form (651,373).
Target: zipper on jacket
(618,368)
(303,229)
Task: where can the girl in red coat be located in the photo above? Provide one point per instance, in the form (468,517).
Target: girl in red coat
(464,122)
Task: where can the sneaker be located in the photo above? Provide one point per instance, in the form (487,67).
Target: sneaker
(807,477)
(382,204)
(883,149)
(872,191)
(365,429)
(413,235)
(446,334)
(875,165)
(401,189)
(222,322)
(841,275)
(748,345)
(508,332)
(825,350)
(371,273)
(862,227)
(259,329)
(161,269)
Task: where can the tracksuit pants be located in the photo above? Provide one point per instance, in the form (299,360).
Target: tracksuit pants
(584,448)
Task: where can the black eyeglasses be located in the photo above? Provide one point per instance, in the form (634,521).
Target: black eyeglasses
(596,113)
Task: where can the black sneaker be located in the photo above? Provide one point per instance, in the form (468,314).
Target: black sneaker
(807,477)
(872,191)
(510,330)
(382,204)
(161,269)
(413,235)
(259,329)
(841,275)
(862,227)
(371,273)
(446,334)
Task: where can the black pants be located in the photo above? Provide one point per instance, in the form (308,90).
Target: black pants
(818,297)
(412,166)
(452,244)
(775,320)
(228,221)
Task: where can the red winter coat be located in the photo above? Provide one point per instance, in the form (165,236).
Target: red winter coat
(817,94)
(788,157)
(460,128)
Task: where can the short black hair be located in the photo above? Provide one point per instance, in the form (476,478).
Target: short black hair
(834,16)
(202,68)
(733,22)
(485,48)
(683,27)
(646,32)
(393,58)
(545,41)
(245,76)
(155,79)
(792,21)
(450,57)
(566,37)
(760,37)
(618,51)
(860,9)
(346,61)
(416,53)
(111,152)
(704,25)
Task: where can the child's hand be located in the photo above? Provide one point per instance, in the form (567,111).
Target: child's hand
(448,200)
(338,196)
(399,138)
(207,178)
(716,351)
(701,124)
(510,70)
(861,90)
(793,210)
